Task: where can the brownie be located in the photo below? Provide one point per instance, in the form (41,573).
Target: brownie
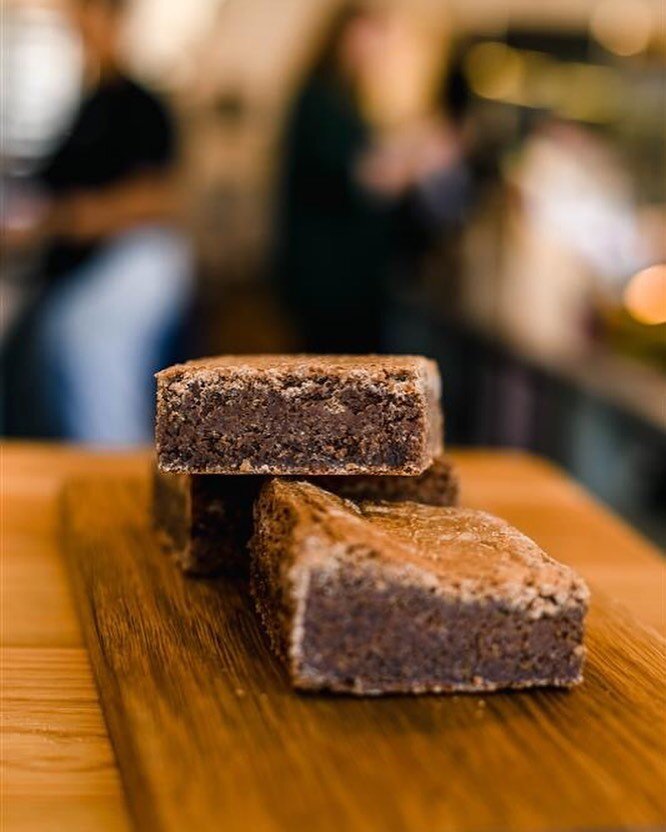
(408,598)
(438,485)
(205,520)
(304,415)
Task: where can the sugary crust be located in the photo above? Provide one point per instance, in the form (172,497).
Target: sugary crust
(315,364)
(460,550)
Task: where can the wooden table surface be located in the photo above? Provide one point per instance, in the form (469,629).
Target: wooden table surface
(58,769)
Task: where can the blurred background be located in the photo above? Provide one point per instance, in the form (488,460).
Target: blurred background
(480,181)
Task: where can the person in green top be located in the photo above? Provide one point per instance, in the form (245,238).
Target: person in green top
(333,232)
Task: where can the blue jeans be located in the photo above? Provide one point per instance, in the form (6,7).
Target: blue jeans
(102,335)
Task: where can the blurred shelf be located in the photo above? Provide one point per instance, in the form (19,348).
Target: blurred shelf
(625,383)
(629,385)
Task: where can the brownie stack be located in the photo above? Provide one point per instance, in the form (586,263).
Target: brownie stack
(367,577)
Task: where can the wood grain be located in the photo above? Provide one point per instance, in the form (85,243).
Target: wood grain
(57,769)
(37,617)
(209,736)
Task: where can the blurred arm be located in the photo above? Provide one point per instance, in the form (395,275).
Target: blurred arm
(409,157)
(89,215)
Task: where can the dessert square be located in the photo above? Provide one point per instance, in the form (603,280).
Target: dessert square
(407,598)
(204,521)
(299,415)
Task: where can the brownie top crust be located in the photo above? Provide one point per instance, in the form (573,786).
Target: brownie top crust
(251,364)
(457,551)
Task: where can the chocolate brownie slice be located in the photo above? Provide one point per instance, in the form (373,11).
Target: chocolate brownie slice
(438,485)
(304,415)
(205,520)
(408,598)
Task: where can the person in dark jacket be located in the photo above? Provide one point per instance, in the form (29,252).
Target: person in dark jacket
(332,247)
(116,275)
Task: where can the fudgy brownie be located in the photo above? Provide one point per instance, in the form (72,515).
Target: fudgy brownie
(205,520)
(408,598)
(304,415)
(438,485)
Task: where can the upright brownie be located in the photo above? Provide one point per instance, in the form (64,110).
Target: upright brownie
(205,520)
(299,415)
(407,598)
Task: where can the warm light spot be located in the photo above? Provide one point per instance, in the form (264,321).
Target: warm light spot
(589,93)
(622,26)
(495,71)
(645,295)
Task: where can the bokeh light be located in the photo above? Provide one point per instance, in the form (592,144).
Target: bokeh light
(622,26)
(645,295)
(495,71)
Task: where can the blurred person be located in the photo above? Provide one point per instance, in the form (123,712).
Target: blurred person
(427,169)
(574,232)
(435,171)
(333,233)
(117,274)
(360,204)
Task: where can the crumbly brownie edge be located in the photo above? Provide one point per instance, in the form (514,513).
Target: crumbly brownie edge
(434,428)
(438,485)
(270,556)
(201,524)
(193,437)
(286,546)
(360,636)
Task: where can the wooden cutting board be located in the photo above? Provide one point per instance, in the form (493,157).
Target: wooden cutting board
(208,735)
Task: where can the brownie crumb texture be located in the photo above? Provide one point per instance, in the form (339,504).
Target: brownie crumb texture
(204,522)
(299,415)
(438,485)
